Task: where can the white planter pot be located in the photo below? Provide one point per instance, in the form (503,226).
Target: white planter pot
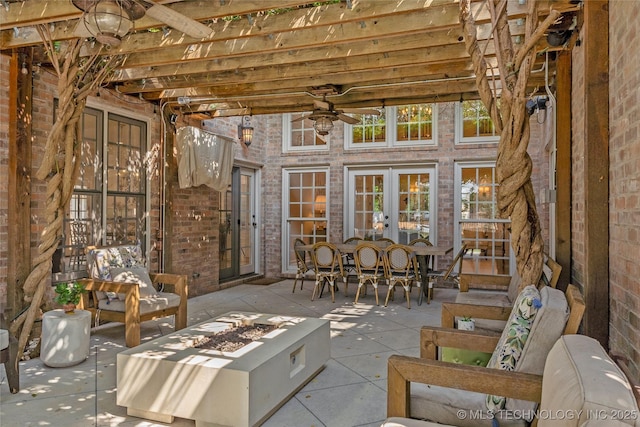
(466,325)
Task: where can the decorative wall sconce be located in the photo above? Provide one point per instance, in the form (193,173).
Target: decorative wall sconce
(245,131)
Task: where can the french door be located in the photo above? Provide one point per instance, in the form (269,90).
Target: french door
(391,202)
(238,225)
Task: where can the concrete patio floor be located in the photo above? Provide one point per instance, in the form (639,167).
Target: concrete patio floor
(350,391)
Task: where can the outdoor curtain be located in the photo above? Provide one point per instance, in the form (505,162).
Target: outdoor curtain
(203,158)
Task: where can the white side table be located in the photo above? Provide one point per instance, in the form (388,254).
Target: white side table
(65,338)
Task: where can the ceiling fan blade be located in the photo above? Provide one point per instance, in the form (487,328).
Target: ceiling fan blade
(180,22)
(322,105)
(348,119)
(367,111)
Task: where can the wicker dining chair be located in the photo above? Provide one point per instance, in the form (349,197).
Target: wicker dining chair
(303,265)
(327,264)
(401,268)
(369,264)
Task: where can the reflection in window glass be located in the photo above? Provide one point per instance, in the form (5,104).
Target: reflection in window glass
(476,121)
(414,122)
(486,236)
(371,129)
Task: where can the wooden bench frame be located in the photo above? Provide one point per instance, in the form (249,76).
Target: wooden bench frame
(131,317)
(403,370)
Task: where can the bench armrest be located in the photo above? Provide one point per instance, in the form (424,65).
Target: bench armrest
(174,283)
(403,370)
(451,310)
(432,337)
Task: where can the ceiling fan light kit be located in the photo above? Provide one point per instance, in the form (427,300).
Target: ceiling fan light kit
(107,20)
(323,125)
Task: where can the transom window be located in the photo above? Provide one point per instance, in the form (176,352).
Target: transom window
(414,123)
(403,125)
(474,124)
(300,135)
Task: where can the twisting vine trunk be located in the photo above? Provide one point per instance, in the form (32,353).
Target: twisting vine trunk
(516,199)
(77,78)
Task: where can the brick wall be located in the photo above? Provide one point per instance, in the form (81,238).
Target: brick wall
(624,179)
(194,246)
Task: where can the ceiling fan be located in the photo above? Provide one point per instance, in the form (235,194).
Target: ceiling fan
(109,20)
(324,114)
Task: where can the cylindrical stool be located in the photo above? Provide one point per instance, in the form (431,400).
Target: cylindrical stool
(65,337)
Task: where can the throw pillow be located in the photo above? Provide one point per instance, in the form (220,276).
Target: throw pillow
(137,275)
(513,338)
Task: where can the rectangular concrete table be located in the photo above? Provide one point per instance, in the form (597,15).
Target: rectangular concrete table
(168,377)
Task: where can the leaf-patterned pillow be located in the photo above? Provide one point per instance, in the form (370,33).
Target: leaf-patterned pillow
(513,338)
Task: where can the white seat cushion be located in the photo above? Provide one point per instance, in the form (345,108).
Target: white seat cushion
(580,377)
(148,304)
(4,339)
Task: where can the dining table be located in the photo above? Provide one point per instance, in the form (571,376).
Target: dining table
(422,254)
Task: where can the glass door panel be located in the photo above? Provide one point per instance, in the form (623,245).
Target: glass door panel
(413,201)
(237,225)
(368,219)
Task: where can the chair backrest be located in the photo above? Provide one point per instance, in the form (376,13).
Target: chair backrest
(353,241)
(386,240)
(326,256)
(368,259)
(537,320)
(301,255)
(399,259)
(101,259)
(420,242)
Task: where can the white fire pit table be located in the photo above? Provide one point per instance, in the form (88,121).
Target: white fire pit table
(169,377)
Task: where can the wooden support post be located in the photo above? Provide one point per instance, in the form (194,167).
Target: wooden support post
(19,188)
(596,170)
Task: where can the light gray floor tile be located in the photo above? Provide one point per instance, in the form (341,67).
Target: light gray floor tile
(350,391)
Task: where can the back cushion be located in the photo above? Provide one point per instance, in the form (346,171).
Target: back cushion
(514,338)
(580,377)
(101,260)
(137,275)
(547,328)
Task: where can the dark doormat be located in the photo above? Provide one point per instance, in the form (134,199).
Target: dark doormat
(264,281)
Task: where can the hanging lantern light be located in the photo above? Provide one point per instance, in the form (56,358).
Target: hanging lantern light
(323,125)
(108,20)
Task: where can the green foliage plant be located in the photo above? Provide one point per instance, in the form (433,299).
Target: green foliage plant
(69,293)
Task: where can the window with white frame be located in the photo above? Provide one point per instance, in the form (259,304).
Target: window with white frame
(306,214)
(110,212)
(299,135)
(487,237)
(474,124)
(415,123)
(404,125)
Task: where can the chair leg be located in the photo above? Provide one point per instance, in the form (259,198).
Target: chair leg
(315,288)
(389,292)
(358,293)
(375,290)
(407,293)
(332,285)
(295,282)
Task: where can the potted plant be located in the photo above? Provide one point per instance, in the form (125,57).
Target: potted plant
(466,324)
(68,295)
